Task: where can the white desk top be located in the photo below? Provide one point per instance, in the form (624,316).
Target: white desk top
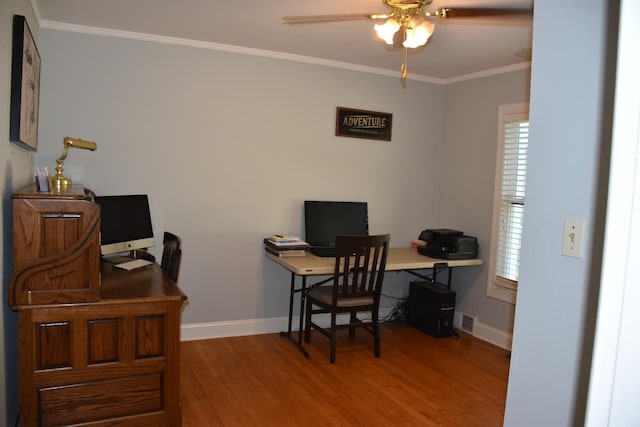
(397,259)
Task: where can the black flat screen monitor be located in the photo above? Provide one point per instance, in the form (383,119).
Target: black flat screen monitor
(125,223)
(323,220)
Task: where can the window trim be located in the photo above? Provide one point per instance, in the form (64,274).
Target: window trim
(494,291)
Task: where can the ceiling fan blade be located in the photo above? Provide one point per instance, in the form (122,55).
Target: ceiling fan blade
(315,19)
(471,12)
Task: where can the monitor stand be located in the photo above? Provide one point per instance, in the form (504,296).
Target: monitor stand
(117,258)
(121,257)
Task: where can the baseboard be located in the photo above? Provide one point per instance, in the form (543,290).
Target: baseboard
(236,328)
(484,332)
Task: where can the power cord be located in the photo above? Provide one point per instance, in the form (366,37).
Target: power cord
(399,312)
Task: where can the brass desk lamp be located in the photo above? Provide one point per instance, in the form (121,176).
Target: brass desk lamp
(59,181)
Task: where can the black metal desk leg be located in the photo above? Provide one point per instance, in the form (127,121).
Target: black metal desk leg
(303,294)
(288,334)
(291,295)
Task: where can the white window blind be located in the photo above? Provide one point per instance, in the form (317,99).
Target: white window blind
(512,200)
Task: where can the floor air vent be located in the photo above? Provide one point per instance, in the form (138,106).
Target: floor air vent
(467,323)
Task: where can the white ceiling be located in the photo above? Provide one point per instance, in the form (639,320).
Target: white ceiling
(456,48)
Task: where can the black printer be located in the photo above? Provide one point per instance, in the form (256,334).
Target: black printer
(448,244)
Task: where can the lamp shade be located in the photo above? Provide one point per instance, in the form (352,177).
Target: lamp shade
(417,36)
(387,30)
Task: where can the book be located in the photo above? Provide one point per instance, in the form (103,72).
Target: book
(280,247)
(299,244)
(286,253)
(282,238)
(42,180)
(287,248)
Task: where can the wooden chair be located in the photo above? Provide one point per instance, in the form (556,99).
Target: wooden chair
(357,283)
(171,255)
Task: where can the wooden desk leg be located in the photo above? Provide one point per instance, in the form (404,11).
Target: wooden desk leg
(288,334)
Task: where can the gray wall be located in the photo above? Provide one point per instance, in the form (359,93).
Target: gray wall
(567,170)
(467,180)
(16,167)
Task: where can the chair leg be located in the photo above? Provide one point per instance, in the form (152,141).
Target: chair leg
(376,333)
(332,356)
(307,321)
(352,322)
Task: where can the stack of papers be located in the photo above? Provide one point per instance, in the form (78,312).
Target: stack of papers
(285,246)
(282,238)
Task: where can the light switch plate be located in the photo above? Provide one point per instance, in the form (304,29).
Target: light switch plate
(572,237)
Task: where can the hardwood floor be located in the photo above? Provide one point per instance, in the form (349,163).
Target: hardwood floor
(264,380)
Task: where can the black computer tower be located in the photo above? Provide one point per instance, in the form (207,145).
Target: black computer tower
(431,308)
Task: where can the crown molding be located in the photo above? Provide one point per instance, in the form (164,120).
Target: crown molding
(60,26)
(488,73)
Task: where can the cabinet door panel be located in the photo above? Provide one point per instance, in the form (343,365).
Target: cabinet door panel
(53,348)
(150,335)
(59,231)
(103,341)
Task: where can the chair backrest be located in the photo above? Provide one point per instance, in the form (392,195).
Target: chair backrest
(171,255)
(360,265)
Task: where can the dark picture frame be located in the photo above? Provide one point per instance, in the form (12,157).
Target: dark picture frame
(25,86)
(363,124)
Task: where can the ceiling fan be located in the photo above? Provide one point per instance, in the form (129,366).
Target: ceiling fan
(411,20)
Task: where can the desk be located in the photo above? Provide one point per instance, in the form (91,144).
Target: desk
(97,346)
(113,361)
(398,259)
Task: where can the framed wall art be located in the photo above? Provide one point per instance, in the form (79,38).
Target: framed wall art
(25,86)
(363,124)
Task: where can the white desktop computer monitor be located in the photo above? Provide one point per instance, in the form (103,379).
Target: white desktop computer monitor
(125,223)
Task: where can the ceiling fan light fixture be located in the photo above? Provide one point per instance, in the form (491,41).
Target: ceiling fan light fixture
(387,30)
(417,36)
(412,17)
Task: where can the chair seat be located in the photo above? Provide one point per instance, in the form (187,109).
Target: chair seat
(324,294)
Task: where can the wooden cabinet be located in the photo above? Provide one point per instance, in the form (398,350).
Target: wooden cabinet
(106,359)
(56,247)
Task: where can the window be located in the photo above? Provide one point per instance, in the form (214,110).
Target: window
(509,201)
